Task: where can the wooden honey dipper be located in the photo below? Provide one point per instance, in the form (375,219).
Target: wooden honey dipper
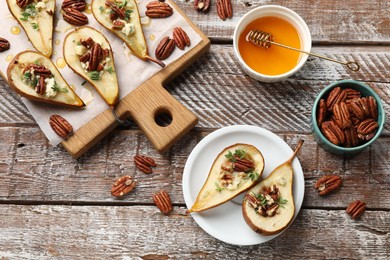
(265,40)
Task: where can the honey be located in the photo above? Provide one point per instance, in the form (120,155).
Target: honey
(275,60)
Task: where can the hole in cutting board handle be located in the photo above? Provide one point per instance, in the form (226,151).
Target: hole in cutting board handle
(163,117)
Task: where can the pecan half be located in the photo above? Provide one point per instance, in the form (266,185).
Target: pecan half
(181,38)
(321,112)
(118,24)
(95,57)
(116,9)
(156,9)
(224,9)
(356,209)
(202,5)
(4,44)
(341,115)
(165,48)
(124,185)
(372,107)
(144,163)
(74,4)
(85,57)
(23,3)
(335,96)
(351,94)
(74,17)
(327,184)
(163,202)
(359,108)
(60,126)
(351,137)
(332,132)
(243,165)
(366,129)
(40,88)
(87,43)
(38,70)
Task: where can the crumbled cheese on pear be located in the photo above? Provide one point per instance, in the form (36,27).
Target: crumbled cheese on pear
(40,6)
(282,181)
(128,29)
(80,50)
(50,92)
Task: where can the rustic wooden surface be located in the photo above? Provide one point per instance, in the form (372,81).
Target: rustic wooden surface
(53,206)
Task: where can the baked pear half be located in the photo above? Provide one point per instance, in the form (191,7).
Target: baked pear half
(236,169)
(88,53)
(122,18)
(34,76)
(268,207)
(36,18)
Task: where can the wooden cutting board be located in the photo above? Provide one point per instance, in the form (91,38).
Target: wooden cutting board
(143,105)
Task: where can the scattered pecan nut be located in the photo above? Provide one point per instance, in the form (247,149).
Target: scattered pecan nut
(163,202)
(95,57)
(243,165)
(327,184)
(144,163)
(156,9)
(202,5)
(60,126)
(4,44)
(165,48)
(40,88)
(40,70)
(74,4)
(356,209)
(224,9)
(181,38)
(124,185)
(74,17)
(87,43)
(23,3)
(116,10)
(85,57)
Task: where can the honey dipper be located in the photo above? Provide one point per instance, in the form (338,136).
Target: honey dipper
(265,40)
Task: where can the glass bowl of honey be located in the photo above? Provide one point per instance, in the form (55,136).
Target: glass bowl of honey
(274,63)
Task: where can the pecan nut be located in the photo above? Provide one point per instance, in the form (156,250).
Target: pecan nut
(243,165)
(356,209)
(74,4)
(332,132)
(4,44)
(40,88)
(74,17)
(351,137)
(165,48)
(117,11)
(202,5)
(366,129)
(124,185)
(335,96)
(327,184)
(23,3)
(117,24)
(224,9)
(156,9)
(38,70)
(341,115)
(85,57)
(163,202)
(321,112)
(351,94)
(372,107)
(87,43)
(60,126)
(144,163)
(95,57)
(359,108)
(181,38)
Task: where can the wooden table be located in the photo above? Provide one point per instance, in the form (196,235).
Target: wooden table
(53,206)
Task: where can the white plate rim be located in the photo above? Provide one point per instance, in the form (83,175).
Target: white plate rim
(239,129)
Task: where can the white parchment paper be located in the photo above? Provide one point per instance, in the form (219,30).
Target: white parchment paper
(131,71)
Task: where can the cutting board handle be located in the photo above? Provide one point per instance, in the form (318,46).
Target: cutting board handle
(146,103)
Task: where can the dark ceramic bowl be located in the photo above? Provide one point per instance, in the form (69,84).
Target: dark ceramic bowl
(365,91)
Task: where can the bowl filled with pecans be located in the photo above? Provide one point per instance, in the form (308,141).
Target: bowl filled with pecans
(347,117)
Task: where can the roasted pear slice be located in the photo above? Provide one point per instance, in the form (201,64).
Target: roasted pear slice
(34,76)
(89,54)
(236,169)
(36,18)
(122,18)
(269,207)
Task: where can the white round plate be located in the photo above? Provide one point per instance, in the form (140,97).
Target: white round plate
(226,222)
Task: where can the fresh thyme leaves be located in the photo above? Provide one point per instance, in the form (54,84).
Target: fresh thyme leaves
(281,202)
(58,89)
(240,154)
(253,176)
(29,11)
(218,188)
(35,26)
(127,15)
(82,84)
(110,70)
(94,75)
(123,4)
(30,79)
(101,9)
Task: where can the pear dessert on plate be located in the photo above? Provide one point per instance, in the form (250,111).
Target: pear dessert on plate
(88,53)
(35,77)
(236,169)
(122,18)
(268,207)
(36,18)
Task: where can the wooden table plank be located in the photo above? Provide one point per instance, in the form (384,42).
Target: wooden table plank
(35,172)
(330,22)
(73,232)
(219,92)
